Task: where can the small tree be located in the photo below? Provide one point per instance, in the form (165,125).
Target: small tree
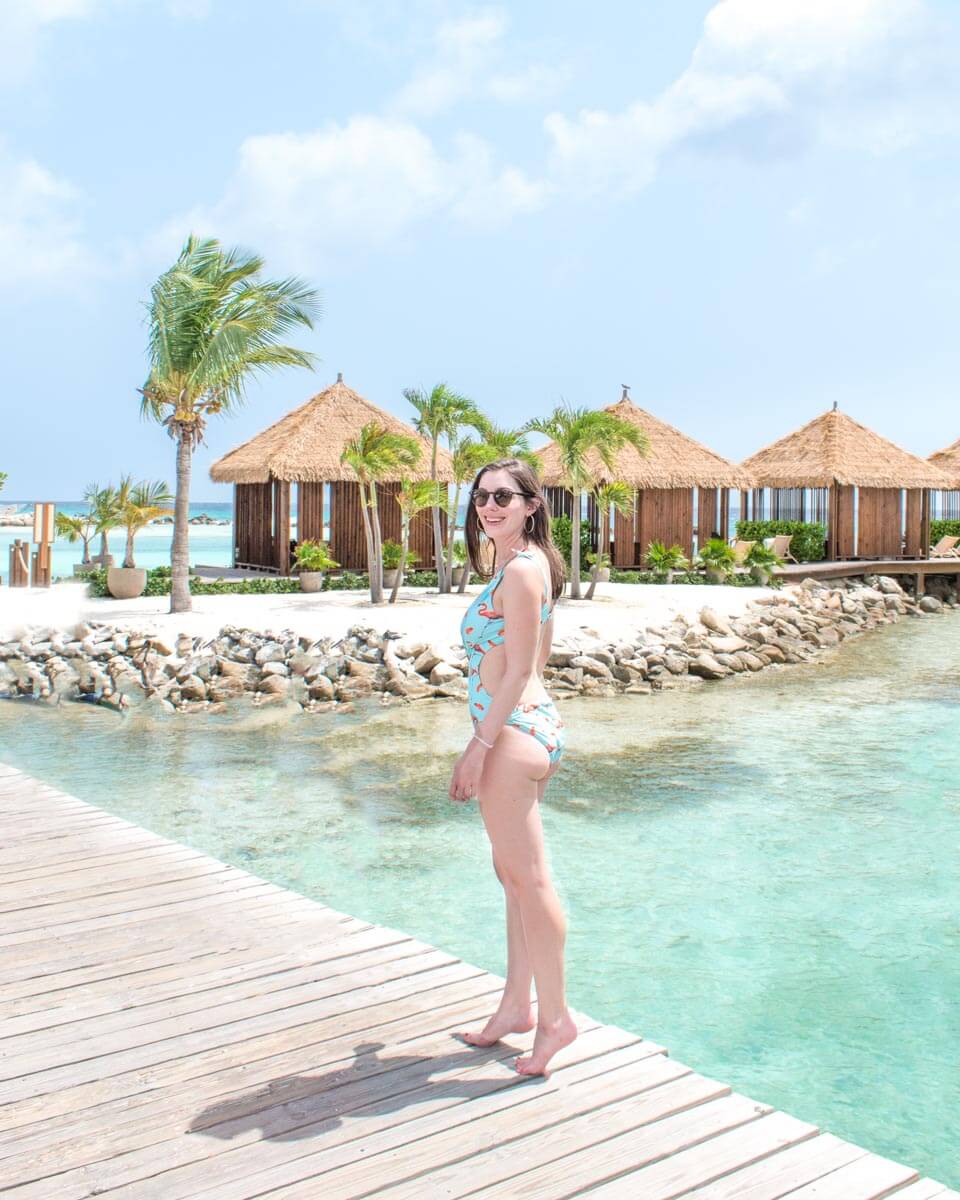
(79,527)
(441,413)
(138,505)
(373,454)
(412,498)
(105,511)
(578,432)
(664,560)
(3,479)
(618,496)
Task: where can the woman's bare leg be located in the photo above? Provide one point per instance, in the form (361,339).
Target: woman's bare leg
(513,781)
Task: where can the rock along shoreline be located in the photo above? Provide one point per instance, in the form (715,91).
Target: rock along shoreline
(100,663)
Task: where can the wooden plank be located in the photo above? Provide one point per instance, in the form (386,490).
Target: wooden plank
(868,1178)
(778,1174)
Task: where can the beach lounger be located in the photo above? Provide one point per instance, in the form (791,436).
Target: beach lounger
(781,546)
(946,548)
(741,550)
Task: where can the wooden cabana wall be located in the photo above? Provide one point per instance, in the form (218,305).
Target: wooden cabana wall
(661,515)
(263,534)
(862,523)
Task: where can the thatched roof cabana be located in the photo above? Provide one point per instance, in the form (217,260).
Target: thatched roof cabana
(676,475)
(834,455)
(305,447)
(948,461)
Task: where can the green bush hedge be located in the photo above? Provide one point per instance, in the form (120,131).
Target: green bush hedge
(809,537)
(159,584)
(943,528)
(562,530)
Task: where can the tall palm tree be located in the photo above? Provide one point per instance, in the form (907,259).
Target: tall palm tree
(3,479)
(468,457)
(139,504)
(502,442)
(441,413)
(619,496)
(577,432)
(214,324)
(412,498)
(374,453)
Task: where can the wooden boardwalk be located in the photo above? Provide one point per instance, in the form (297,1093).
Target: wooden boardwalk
(172,1027)
(920,568)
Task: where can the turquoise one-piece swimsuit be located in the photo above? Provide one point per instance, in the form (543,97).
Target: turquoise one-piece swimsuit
(481,630)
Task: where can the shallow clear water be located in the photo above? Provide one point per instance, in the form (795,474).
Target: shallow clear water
(760,875)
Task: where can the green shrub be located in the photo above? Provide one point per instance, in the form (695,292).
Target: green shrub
(809,537)
(562,530)
(312,555)
(943,528)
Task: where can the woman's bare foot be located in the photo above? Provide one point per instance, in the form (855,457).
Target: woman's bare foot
(503,1021)
(549,1039)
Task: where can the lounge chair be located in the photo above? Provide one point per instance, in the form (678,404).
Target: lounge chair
(946,548)
(741,550)
(781,546)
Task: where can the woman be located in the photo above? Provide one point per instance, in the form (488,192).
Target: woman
(516,746)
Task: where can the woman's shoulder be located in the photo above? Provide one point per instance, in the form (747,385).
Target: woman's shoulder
(526,564)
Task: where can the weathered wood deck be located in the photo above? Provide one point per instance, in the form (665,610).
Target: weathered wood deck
(172,1027)
(920,568)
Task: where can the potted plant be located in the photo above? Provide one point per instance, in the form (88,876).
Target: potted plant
(460,558)
(600,568)
(392,556)
(761,560)
(136,506)
(666,560)
(718,559)
(312,562)
(105,514)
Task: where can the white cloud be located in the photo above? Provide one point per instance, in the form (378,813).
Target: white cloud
(361,183)
(23,24)
(41,243)
(767,79)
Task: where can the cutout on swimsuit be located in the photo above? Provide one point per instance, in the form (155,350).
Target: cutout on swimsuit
(481,630)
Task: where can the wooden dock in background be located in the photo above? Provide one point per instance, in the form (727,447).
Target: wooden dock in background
(919,568)
(173,1027)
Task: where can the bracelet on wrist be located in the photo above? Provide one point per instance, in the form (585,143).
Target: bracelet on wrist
(489,745)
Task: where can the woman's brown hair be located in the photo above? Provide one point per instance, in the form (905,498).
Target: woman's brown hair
(528,483)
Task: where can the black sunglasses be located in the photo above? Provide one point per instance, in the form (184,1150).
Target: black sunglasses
(503,496)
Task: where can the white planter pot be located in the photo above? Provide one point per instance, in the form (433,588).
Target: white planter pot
(311,581)
(715,575)
(126,583)
(390,576)
(86,568)
(603,575)
(760,575)
(457,575)
(102,560)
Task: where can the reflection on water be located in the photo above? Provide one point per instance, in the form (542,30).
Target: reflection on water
(759,874)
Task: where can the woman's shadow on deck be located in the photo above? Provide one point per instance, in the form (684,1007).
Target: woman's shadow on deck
(289,1108)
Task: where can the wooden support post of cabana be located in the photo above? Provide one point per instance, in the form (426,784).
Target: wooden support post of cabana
(665,482)
(877,496)
(305,448)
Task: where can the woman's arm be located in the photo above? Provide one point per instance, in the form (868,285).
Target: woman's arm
(521,597)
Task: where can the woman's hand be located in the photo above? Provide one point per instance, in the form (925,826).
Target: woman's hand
(465,783)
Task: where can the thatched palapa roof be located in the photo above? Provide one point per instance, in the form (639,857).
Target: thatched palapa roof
(948,460)
(835,449)
(673,460)
(306,444)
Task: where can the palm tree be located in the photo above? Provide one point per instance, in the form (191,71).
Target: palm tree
(214,324)
(502,442)
(577,432)
(441,413)
(105,513)
(373,454)
(412,498)
(79,528)
(468,457)
(3,479)
(139,504)
(619,496)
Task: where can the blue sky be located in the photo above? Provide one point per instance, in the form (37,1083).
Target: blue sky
(746,210)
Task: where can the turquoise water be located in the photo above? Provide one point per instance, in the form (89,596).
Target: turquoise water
(209,544)
(760,875)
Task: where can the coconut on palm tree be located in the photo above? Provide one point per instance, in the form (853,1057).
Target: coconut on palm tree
(214,324)
(582,435)
(617,496)
(373,454)
(442,412)
(412,498)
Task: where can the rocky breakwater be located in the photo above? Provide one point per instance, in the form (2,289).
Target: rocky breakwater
(104,664)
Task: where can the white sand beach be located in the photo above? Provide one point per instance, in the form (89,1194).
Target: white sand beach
(618,609)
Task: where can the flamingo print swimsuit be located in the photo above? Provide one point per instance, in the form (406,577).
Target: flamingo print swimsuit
(481,630)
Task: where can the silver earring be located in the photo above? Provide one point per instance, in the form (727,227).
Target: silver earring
(529,528)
